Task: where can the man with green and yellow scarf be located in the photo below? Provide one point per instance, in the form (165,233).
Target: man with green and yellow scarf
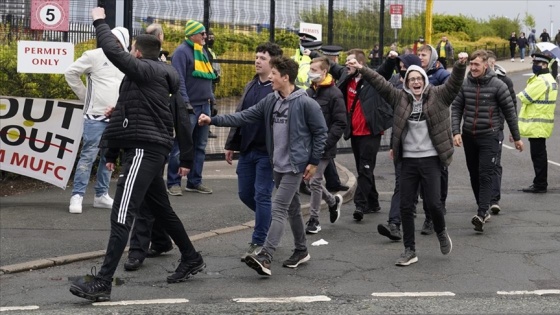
(196,75)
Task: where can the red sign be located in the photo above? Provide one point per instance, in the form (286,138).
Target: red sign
(50,15)
(396,9)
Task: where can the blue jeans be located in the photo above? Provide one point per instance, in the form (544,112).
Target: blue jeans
(93,130)
(522,53)
(255,185)
(200,139)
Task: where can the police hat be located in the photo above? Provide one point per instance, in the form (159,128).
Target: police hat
(306,37)
(315,45)
(331,50)
(541,58)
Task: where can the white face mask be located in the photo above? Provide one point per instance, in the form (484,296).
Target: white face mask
(313,76)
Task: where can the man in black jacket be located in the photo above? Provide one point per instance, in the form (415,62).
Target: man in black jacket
(368,117)
(481,96)
(142,126)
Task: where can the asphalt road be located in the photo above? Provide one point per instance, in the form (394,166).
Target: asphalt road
(510,269)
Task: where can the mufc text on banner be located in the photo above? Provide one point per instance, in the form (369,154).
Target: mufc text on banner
(40,138)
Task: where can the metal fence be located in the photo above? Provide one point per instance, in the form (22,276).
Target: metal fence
(239,26)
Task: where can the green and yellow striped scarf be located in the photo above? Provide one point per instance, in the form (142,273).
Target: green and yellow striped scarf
(202,67)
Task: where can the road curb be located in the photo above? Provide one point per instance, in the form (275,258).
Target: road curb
(63,260)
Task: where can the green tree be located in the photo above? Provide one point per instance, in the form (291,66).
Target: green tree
(529,21)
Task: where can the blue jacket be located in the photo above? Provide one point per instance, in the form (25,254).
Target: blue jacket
(306,125)
(195,91)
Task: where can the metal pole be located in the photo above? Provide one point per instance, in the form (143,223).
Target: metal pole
(330,27)
(206,16)
(272,20)
(381,27)
(127,23)
(429,8)
(110,9)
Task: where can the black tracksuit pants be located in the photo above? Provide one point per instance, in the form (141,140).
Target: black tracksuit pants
(140,182)
(365,150)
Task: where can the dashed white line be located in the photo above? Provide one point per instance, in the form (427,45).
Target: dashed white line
(536,292)
(296,299)
(141,302)
(18,308)
(412,294)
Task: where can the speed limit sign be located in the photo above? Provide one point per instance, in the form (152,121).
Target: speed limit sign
(50,15)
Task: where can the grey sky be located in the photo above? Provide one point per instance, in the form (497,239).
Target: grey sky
(483,9)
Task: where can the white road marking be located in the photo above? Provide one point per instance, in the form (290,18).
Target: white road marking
(412,294)
(18,308)
(549,161)
(536,292)
(142,302)
(296,299)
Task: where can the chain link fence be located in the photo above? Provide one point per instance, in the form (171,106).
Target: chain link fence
(239,27)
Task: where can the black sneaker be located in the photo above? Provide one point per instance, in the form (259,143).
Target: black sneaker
(260,262)
(96,289)
(186,269)
(358,214)
(132,264)
(427,227)
(495,209)
(534,190)
(298,257)
(390,230)
(445,243)
(407,258)
(155,252)
(371,210)
(313,226)
(334,210)
(478,222)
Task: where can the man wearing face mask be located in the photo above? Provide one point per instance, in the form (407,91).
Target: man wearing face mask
(482,95)
(330,98)
(303,59)
(536,118)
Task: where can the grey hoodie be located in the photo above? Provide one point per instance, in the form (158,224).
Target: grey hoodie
(417,142)
(307,129)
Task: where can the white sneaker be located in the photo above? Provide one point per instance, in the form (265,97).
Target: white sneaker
(512,59)
(103,201)
(522,60)
(76,204)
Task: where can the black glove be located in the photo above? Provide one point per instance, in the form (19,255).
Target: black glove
(213,111)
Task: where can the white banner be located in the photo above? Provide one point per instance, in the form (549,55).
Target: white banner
(312,29)
(40,138)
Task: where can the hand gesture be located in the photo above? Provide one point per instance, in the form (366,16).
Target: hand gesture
(353,63)
(463,57)
(98,13)
(393,54)
(204,120)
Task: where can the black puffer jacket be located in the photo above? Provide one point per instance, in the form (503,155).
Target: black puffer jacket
(142,117)
(479,104)
(332,105)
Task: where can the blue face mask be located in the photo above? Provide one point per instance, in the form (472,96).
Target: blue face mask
(536,69)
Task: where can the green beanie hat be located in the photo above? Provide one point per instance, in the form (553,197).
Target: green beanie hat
(192,28)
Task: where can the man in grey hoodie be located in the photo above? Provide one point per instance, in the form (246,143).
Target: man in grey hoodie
(296,133)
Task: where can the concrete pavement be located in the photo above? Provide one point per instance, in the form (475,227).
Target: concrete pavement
(37,231)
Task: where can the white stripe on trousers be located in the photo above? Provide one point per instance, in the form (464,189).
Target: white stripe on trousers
(129,185)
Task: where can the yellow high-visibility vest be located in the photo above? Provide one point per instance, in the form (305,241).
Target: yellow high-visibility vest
(538,99)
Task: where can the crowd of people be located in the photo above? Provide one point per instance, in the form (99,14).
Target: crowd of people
(286,127)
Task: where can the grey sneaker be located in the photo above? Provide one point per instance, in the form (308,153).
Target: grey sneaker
(427,228)
(199,189)
(175,190)
(479,221)
(252,250)
(298,257)
(390,230)
(445,243)
(495,209)
(407,258)
(260,262)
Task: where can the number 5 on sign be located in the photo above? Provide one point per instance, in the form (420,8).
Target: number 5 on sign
(50,15)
